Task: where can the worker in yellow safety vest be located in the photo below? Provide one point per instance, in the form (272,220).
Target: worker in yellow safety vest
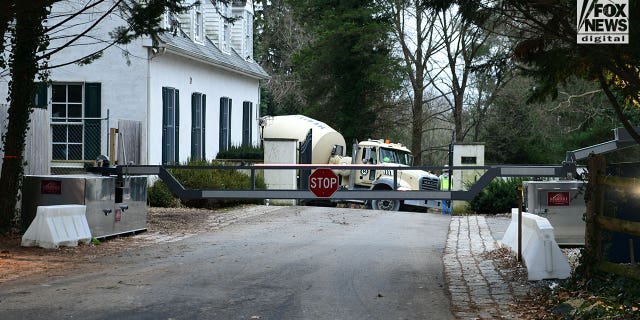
(445,185)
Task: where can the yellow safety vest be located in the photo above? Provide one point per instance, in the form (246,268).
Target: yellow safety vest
(445,183)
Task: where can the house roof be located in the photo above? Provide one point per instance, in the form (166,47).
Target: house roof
(207,52)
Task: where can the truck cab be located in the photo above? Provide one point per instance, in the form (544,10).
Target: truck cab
(377,152)
(384,153)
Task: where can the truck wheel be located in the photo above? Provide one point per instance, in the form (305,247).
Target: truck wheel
(386,205)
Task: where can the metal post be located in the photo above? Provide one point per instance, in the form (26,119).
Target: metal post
(108,142)
(450,201)
(253,178)
(632,257)
(520,222)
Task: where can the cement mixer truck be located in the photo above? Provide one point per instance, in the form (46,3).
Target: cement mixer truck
(328,147)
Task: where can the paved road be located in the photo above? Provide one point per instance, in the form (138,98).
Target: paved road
(294,263)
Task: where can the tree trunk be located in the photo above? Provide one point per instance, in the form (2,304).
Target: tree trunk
(457,114)
(594,203)
(23,68)
(416,127)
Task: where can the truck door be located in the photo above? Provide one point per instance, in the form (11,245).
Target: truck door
(366,155)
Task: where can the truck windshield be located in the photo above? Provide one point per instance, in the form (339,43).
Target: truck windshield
(395,156)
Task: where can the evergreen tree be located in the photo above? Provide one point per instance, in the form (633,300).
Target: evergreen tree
(347,70)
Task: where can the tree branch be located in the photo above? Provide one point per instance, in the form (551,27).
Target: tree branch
(618,109)
(107,13)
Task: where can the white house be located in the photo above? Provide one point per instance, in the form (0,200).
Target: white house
(188,94)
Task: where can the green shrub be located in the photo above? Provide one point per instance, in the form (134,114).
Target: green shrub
(222,179)
(159,195)
(498,197)
(242,153)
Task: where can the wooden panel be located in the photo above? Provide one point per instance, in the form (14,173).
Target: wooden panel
(129,141)
(617,225)
(37,150)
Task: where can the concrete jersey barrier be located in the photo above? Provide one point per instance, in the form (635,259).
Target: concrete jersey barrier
(540,251)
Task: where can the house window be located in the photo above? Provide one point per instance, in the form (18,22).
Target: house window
(225,123)
(468,160)
(171,22)
(247,109)
(226,28)
(170,125)
(198,25)
(75,121)
(198,112)
(248,38)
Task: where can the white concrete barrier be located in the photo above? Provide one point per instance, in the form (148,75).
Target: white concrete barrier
(54,226)
(540,252)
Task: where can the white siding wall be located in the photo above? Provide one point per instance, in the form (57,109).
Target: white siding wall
(131,87)
(185,22)
(123,79)
(212,22)
(189,76)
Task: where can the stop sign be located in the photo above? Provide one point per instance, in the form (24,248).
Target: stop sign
(323,183)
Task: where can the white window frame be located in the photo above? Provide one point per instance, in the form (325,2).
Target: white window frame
(198,24)
(248,37)
(225,36)
(170,22)
(71,124)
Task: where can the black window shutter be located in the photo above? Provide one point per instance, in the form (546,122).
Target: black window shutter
(223,124)
(177,125)
(204,120)
(165,115)
(229,123)
(194,120)
(92,138)
(246,123)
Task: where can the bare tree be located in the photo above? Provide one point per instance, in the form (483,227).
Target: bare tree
(463,45)
(414,26)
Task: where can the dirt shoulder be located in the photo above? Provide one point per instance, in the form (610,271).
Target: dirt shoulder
(163,225)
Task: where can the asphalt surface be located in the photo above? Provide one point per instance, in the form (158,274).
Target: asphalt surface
(293,263)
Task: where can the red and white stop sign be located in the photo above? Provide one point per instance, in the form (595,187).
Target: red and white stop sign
(323,183)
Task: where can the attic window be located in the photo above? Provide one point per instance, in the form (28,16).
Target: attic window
(198,26)
(225,37)
(171,22)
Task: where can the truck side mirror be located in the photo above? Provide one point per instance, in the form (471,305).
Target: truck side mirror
(337,150)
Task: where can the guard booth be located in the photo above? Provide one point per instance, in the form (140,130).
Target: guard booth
(466,154)
(562,203)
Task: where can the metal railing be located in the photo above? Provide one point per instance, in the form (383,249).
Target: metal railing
(163,172)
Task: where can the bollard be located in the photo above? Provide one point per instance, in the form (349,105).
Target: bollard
(519,223)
